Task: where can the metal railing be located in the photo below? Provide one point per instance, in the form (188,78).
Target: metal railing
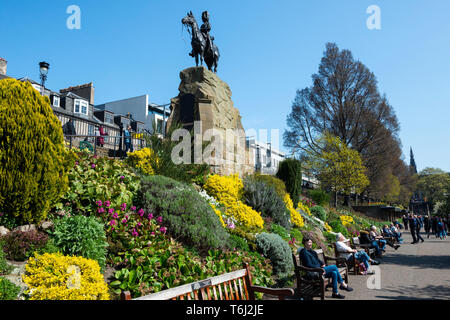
(114,144)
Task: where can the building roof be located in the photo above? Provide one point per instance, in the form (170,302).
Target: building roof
(87,85)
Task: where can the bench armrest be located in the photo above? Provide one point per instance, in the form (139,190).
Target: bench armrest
(319,270)
(281,293)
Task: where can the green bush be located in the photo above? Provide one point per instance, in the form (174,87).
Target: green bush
(188,216)
(273,247)
(263,198)
(290,171)
(4,267)
(273,181)
(320,197)
(8,290)
(81,236)
(239,242)
(337,227)
(279,230)
(319,212)
(98,178)
(34,161)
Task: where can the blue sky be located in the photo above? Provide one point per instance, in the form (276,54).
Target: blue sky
(269,49)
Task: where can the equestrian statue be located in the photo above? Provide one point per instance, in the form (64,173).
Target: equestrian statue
(203,47)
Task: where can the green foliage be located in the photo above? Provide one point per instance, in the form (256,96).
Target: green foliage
(93,178)
(164,166)
(273,181)
(189,217)
(290,172)
(337,227)
(279,230)
(434,184)
(263,198)
(239,243)
(81,236)
(278,251)
(320,197)
(4,267)
(319,212)
(34,162)
(297,235)
(8,290)
(331,238)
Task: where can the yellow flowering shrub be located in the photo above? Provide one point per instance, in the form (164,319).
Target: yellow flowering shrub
(346,220)
(296,217)
(228,191)
(304,208)
(328,228)
(58,277)
(219,214)
(142,159)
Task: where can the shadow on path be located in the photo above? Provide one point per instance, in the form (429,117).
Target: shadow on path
(420,262)
(441,292)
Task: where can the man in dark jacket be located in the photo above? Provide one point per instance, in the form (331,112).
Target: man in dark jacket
(309,259)
(419,226)
(69,128)
(413,227)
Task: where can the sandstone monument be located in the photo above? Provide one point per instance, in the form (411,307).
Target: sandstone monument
(204,105)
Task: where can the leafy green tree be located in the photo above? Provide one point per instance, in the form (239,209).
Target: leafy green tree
(434,184)
(337,166)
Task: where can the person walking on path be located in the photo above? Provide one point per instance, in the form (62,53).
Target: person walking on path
(427,226)
(405,221)
(419,227)
(413,227)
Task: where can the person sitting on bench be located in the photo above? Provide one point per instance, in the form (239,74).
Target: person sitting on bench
(347,252)
(310,259)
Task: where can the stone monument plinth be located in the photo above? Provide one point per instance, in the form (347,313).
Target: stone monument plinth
(204,106)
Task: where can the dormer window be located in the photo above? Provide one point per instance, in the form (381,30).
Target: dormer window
(81,106)
(56,101)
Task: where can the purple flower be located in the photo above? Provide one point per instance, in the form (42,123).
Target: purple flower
(152,233)
(93,166)
(139,224)
(134,233)
(163,230)
(76,163)
(124,220)
(122,177)
(111,211)
(112,222)
(107,204)
(123,206)
(150,216)
(159,219)
(101,210)
(115,215)
(133,208)
(99,203)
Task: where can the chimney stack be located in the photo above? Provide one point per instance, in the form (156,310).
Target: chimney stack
(3,65)
(85,91)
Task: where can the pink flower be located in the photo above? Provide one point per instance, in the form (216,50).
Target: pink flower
(150,216)
(112,222)
(152,233)
(111,211)
(115,215)
(107,204)
(122,177)
(141,212)
(139,224)
(93,166)
(124,220)
(163,230)
(134,233)
(101,210)
(133,208)
(99,203)
(159,219)
(123,206)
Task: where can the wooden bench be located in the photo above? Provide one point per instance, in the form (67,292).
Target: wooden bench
(353,263)
(371,251)
(309,288)
(235,285)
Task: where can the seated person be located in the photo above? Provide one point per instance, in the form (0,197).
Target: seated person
(347,252)
(377,239)
(310,259)
(396,232)
(387,232)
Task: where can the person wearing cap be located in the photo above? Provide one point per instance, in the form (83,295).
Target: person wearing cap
(310,259)
(347,252)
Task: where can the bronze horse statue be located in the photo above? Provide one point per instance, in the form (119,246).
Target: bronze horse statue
(203,47)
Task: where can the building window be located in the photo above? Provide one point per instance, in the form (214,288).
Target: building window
(81,106)
(159,126)
(55,101)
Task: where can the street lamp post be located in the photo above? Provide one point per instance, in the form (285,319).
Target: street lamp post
(43,69)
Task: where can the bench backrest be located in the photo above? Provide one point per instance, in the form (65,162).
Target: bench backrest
(320,255)
(230,286)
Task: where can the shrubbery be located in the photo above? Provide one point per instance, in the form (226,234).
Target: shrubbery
(290,172)
(278,251)
(54,277)
(263,198)
(319,212)
(187,215)
(8,290)
(34,162)
(20,245)
(143,160)
(320,197)
(81,236)
(93,178)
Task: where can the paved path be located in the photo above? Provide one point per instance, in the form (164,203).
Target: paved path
(414,271)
